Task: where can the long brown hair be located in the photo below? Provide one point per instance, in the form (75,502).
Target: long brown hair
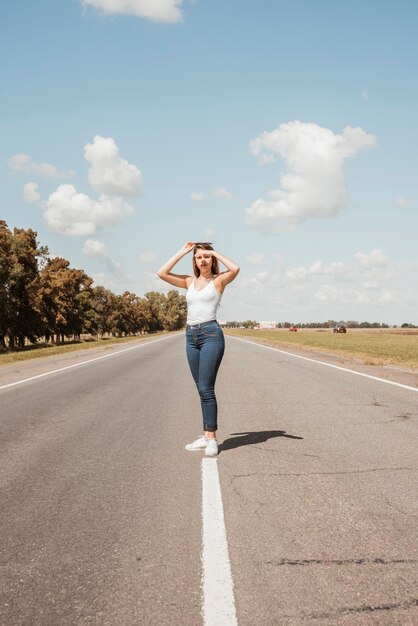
(215,265)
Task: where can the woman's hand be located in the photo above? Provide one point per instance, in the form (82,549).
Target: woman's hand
(188,247)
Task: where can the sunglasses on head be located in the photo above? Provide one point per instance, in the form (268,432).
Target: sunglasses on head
(202,243)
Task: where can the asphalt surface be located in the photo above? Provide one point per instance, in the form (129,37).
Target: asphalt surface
(101,505)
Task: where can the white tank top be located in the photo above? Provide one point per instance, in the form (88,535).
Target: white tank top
(202,304)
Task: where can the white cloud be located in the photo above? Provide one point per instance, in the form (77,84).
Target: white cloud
(303,274)
(365,95)
(320,291)
(72,213)
(401,201)
(95,249)
(107,281)
(370,294)
(327,293)
(386,297)
(31,193)
(300,273)
(375,259)
(148,257)
(24,163)
(221,192)
(155,10)
(313,184)
(256,259)
(109,173)
(262,276)
(248,287)
(196,197)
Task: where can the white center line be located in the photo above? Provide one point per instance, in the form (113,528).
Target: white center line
(97,358)
(218,594)
(337,367)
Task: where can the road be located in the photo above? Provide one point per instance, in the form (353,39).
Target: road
(101,506)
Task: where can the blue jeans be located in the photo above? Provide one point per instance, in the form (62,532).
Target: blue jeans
(205,345)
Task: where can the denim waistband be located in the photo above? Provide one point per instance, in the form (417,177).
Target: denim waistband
(202,325)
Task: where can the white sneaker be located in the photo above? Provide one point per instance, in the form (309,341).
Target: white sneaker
(199,444)
(211,447)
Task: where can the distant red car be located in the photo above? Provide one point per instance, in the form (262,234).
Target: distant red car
(339,329)
(293,328)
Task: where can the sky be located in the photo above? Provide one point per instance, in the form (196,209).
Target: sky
(282,131)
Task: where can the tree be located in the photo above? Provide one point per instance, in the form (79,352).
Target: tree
(141,312)
(157,303)
(117,318)
(249,324)
(135,314)
(102,304)
(232,324)
(44,297)
(66,298)
(20,257)
(5,272)
(175,311)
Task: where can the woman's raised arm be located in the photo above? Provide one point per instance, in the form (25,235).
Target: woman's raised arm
(232,270)
(178,280)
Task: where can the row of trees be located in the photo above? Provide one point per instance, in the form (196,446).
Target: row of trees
(45,298)
(347,324)
(332,323)
(328,324)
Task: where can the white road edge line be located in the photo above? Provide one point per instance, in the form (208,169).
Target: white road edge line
(337,367)
(98,358)
(218,593)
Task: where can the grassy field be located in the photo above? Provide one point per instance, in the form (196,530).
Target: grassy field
(372,347)
(43,349)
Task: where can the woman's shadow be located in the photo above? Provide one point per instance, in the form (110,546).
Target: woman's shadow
(249,438)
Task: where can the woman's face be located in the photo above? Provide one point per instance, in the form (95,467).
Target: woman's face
(203,259)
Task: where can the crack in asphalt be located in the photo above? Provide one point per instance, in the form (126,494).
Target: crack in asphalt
(365,609)
(377,402)
(393,506)
(256,509)
(376,561)
(260,505)
(337,473)
(283,452)
(404,416)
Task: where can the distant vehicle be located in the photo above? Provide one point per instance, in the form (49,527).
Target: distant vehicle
(339,329)
(293,328)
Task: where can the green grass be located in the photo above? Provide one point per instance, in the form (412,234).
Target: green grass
(373,347)
(43,349)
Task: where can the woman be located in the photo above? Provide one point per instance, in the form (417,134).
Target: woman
(204,337)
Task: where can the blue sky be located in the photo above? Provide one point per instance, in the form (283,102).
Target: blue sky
(283,131)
